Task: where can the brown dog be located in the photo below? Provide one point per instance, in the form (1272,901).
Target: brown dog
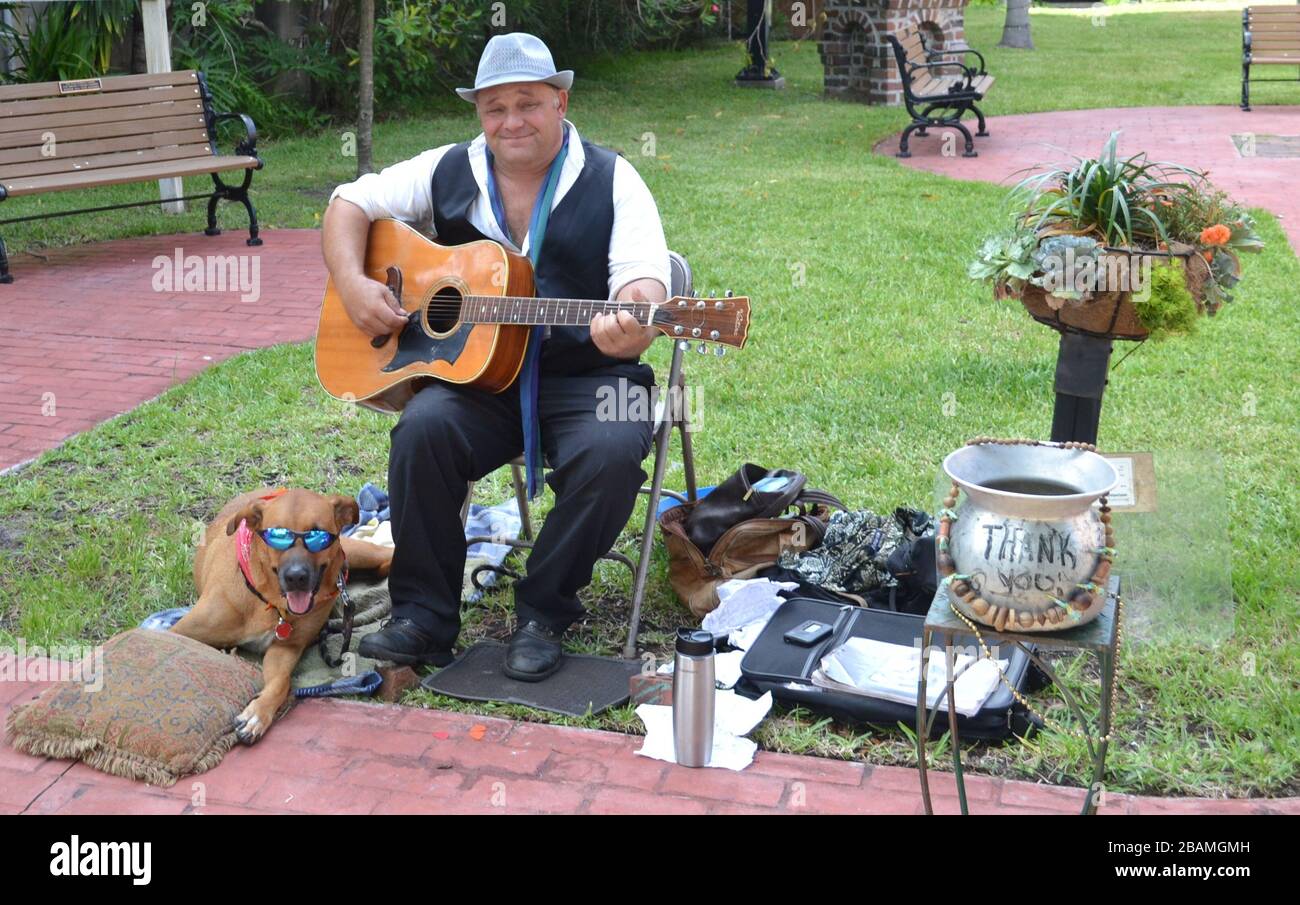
(288,595)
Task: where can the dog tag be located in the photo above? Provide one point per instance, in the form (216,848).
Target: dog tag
(283,630)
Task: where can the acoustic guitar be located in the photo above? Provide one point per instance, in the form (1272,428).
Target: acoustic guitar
(470,309)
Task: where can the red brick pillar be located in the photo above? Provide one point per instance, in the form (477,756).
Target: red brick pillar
(858,62)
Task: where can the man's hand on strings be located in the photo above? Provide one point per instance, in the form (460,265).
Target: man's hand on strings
(620,335)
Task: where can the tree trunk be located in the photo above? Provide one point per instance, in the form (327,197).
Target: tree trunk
(366,115)
(1015,32)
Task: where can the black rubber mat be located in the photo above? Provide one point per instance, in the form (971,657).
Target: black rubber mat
(582,685)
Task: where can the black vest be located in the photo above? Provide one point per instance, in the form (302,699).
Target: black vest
(574,263)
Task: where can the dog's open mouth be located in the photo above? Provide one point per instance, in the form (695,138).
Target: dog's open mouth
(299,601)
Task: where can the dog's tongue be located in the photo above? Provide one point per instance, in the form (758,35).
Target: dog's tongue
(299,601)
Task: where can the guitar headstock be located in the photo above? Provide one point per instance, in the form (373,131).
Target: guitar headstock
(722,321)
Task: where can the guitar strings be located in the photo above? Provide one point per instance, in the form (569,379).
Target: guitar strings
(444,306)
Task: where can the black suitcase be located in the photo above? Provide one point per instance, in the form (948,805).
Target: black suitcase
(774,664)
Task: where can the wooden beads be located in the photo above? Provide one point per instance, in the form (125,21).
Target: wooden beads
(1048,721)
(1018,441)
(1101,574)
(1000,620)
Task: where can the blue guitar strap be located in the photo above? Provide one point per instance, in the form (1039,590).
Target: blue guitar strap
(530,373)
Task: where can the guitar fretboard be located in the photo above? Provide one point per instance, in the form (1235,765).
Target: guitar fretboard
(494,309)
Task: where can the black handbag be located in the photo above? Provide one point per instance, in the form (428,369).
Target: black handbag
(753,492)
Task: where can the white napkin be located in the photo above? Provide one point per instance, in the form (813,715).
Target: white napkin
(734,717)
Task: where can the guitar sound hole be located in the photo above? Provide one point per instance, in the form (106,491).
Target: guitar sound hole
(444,310)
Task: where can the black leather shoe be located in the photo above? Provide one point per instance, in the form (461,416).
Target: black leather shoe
(402,641)
(535,652)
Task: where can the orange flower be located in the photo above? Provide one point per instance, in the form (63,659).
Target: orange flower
(1218,234)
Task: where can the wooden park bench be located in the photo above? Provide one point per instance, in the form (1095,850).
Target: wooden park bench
(65,136)
(1270,36)
(938,91)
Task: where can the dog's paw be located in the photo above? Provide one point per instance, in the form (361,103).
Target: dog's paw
(250,725)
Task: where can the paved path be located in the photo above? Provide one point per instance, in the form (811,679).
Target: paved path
(1197,137)
(100,328)
(338,757)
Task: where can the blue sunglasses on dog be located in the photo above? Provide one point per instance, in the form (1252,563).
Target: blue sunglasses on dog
(282,539)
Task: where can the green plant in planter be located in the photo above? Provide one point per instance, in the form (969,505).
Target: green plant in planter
(1168,308)
(1067,267)
(1005,258)
(1072,228)
(1117,198)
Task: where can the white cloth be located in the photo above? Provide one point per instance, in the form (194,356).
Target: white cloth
(878,669)
(742,601)
(745,636)
(375,532)
(404,191)
(734,717)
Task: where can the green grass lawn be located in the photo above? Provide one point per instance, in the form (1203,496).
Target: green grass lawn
(864,327)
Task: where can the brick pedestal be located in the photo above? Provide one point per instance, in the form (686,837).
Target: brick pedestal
(858,61)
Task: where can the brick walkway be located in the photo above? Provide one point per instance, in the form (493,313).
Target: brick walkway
(87,325)
(342,757)
(1197,137)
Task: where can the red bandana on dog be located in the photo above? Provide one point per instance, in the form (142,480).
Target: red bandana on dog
(244,549)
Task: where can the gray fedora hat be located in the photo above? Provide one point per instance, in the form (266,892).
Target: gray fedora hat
(516,57)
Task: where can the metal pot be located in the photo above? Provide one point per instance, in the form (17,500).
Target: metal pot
(1026,535)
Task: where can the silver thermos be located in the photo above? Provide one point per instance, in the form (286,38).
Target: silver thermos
(694,690)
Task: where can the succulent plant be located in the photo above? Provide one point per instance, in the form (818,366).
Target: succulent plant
(1007,257)
(1067,266)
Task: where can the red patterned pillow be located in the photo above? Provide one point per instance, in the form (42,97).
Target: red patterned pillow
(163,710)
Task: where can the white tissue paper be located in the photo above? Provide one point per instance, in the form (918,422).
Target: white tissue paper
(734,717)
(891,672)
(744,601)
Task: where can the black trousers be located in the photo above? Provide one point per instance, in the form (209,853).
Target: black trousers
(448,436)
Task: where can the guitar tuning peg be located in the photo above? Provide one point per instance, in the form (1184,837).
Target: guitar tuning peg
(684,346)
(720,351)
(728,293)
(703,349)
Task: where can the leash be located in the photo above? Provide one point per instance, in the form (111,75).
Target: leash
(349,612)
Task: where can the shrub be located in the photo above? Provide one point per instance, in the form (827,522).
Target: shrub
(1168,309)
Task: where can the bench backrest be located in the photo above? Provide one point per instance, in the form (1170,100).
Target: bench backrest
(1274,30)
(909,51)
(65,127)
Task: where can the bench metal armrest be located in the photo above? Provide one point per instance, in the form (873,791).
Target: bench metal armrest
(937,54)
(248,145)
(967,72)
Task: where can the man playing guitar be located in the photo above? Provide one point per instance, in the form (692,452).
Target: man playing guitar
(527,174)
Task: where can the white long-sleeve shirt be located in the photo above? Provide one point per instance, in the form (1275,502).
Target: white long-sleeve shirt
(403,191)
